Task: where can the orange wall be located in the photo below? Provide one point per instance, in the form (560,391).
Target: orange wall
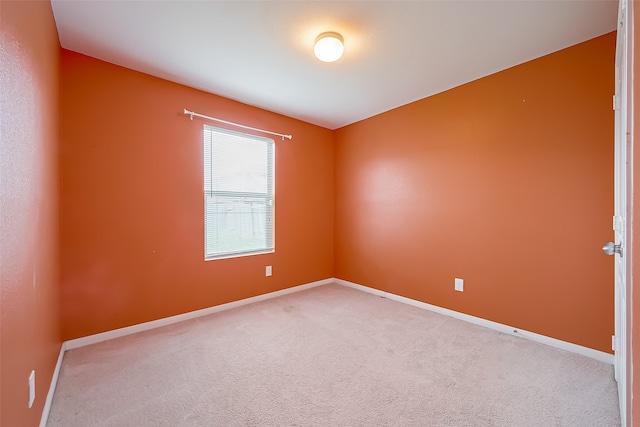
(132,218)
(506,182)
(29,322)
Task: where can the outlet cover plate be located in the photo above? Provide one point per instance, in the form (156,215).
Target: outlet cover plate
(32,388)
(459,285)
(268,271)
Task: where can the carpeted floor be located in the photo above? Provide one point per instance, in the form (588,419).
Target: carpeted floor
(330,356)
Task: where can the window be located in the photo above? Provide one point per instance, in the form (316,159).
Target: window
(238,194)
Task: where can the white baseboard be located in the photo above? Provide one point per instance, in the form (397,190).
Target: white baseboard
(52,388)
(116,333)
(532,336)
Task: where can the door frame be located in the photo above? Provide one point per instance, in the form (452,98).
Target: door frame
(624,171)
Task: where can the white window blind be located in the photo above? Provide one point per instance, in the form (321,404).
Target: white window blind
(238,193)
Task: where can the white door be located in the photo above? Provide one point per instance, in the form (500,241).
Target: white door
(620,209)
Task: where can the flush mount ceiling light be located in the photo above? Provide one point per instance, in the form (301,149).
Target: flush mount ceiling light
(329,47)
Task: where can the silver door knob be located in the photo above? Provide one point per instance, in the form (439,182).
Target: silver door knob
(610,248)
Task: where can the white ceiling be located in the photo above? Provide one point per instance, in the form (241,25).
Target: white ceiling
(261,52)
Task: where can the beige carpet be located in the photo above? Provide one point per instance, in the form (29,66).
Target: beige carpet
(330,356)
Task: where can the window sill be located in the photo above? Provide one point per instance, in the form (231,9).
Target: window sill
(238,254)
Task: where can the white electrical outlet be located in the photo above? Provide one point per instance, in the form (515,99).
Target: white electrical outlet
(32,388)
(459,285)
(268,271)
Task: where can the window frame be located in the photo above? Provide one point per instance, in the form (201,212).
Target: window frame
(269,196)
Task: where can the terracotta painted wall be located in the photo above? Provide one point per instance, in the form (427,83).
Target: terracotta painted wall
(506,182)
(132,217)
(29,322)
